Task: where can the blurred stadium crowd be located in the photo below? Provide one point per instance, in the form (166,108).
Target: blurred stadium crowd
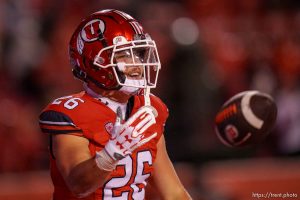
(210,50)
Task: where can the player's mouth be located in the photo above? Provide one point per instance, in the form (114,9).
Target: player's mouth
(135,74)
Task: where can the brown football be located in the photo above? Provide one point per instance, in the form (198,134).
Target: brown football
(246,118)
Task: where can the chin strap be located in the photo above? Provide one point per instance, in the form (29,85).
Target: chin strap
(148,102)
(147,96)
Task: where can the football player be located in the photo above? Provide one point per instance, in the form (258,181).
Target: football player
(107,141)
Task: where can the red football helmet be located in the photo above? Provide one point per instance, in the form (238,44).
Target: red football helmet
(98,40)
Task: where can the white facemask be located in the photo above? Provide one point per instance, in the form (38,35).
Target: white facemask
(129,89)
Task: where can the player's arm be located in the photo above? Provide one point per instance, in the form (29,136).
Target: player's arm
(165,177)
(77,166)
(71,153)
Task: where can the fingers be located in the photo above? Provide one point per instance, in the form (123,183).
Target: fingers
(117,125)
(130,135)
(140,114)
(141,121)
(144,124)
(150,108)
(143,141)
(154,111)
(119,116)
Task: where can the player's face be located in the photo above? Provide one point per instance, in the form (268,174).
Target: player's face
(135,71)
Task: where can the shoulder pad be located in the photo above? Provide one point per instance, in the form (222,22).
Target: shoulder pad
(159,104)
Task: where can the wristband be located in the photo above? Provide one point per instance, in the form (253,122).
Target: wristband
(104,161)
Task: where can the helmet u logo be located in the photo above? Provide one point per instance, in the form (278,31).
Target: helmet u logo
(91,30)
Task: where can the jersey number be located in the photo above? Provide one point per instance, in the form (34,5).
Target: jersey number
(70,104)
(131,178)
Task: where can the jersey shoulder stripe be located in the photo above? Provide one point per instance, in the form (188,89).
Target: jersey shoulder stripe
(56,122)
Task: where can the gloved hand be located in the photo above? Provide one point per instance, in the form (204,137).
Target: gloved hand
(125,138)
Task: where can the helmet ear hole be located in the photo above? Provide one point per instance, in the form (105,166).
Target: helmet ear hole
(78,73)
(99,60)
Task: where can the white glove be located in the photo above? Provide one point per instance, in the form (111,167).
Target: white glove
(125,138)
(130,135)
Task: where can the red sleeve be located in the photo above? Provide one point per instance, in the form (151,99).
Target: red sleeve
(59,117)
(55,122)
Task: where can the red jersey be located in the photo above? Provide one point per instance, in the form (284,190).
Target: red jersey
(85,116)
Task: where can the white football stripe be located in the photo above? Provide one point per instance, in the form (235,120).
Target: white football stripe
(251,118)
(56,123)
(124,15)
(136,27)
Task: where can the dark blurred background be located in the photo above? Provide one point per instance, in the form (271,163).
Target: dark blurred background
(209,49)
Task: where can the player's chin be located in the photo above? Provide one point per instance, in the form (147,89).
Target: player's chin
(127,91)
(136,77)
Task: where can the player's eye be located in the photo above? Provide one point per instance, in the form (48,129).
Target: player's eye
(123,54)
(140,53)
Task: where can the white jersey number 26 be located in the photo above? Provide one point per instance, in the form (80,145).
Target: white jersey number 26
(140,178)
